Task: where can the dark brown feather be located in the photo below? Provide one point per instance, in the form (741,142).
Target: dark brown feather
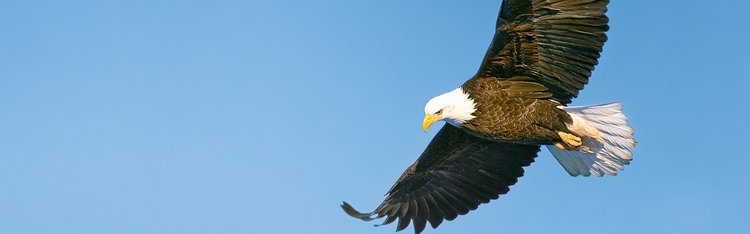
(456,173)
(514,111)
(556,42)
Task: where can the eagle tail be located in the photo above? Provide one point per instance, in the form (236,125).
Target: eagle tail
(606,139)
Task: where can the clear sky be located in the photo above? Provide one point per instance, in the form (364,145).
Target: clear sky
(262,116)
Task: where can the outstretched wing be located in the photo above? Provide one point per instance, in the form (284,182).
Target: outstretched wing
(554,42)
(455,174)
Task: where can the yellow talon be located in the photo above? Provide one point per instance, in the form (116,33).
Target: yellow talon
(570,141)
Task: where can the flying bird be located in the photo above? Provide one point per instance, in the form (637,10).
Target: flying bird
(541,56)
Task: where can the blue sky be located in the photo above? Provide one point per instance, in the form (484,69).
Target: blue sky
(262,116)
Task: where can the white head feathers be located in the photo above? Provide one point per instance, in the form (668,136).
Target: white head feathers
(455,107)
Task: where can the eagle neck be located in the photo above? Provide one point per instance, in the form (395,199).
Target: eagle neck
(462,107)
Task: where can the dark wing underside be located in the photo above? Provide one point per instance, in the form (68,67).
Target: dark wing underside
(555,42)
(455,174)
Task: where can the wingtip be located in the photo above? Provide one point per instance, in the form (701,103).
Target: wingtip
(354,213)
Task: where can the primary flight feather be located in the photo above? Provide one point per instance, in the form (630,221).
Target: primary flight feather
(541,56)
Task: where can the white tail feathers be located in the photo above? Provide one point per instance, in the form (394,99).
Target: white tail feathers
(607,141)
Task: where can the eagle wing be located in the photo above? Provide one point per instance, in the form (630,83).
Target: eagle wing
(454,175)
(554,42)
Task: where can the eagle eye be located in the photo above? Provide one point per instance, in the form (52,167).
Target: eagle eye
(439,112)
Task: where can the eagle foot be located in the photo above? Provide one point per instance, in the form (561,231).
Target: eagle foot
(569,141)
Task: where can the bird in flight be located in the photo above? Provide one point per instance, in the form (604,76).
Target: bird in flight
(541,56)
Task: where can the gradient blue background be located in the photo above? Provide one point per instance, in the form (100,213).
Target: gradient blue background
(262,116)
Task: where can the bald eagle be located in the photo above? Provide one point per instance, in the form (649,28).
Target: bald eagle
(541,56)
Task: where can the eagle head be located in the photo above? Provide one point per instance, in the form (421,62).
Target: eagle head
(455,107)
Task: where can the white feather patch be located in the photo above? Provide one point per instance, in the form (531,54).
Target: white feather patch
(456,107)
(607,141)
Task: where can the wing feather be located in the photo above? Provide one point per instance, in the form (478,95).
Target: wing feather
(456,173)
(556,42)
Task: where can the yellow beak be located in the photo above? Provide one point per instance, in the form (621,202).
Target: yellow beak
(429,119)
